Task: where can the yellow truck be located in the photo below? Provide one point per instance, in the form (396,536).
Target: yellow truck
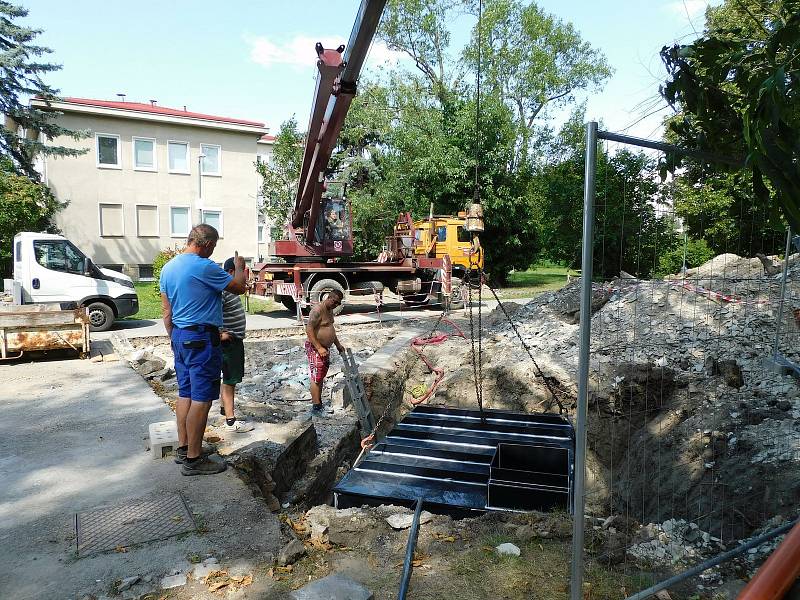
(441,235)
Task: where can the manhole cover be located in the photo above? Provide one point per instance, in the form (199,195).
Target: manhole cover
(136,522)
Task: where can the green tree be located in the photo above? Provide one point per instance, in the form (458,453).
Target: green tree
(21,71)
(721,209)
(279,176)
(633,229)
(534,62)
(738,90)
(25,205)
(419,29)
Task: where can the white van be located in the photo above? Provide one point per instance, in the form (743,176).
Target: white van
(49,268)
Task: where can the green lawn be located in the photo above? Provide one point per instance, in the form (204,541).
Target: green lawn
(534,281)
(150,303)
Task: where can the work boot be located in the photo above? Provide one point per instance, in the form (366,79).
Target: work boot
(320,410)
(203,466)
(180,454)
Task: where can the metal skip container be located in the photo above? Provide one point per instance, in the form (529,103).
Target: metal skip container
(38,327)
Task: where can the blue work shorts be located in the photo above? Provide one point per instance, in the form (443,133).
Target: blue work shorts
(196,368)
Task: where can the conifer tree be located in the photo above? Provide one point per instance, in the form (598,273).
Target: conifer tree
(22,67)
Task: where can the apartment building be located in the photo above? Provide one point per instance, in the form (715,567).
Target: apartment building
(149,175)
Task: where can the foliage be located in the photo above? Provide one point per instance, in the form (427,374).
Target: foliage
(159,261)
(419,29)
(738,87)
(21,78)
(24,206)
(720,209)
(631,227)
(279,176)
(697,253)
(534,62)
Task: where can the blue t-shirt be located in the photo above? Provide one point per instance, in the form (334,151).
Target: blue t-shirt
(193,286)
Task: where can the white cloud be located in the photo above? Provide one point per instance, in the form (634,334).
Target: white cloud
(299,52)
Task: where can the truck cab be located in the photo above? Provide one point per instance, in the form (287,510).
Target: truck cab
(50,268)
(442,235)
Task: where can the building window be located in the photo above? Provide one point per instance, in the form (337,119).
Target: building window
(211,163)
(147,221)
(179,224)
(115,267)
(112,223)
(144,154)
(261,227)
(178,157)
(58,255)
(108,151)
(213,217)
(146,273)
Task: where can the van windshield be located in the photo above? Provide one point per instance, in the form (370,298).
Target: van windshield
(58,255)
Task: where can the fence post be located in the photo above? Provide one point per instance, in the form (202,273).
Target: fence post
(579,501)
(783,292)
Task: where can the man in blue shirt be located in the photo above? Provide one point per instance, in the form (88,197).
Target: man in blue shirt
(191,301)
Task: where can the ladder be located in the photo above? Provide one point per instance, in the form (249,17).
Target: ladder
(356,389)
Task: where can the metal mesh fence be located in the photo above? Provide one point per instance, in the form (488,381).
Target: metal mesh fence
(692,442)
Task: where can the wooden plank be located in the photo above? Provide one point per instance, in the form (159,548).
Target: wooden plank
(35,319)
(7,307)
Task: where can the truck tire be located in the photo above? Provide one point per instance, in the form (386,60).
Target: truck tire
(321,289)
(101,317)
(288,302)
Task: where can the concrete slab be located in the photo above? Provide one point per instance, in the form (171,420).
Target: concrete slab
(333,587)
(72,438)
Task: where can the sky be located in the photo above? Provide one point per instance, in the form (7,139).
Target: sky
(255,60)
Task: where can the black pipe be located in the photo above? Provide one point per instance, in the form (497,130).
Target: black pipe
(408,564)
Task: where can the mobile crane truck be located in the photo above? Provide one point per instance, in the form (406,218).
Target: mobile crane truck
(313,260)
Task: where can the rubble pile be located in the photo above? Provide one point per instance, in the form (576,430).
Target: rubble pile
(674,542)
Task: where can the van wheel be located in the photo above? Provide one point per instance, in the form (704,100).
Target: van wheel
(101,317)
(323,287)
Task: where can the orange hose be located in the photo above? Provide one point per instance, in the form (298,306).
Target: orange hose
(778,573)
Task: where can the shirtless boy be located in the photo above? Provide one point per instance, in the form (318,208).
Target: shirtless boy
(321,335)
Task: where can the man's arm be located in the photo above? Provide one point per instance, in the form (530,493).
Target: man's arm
(338,344)
(238,284)
(311,331)
(166,311)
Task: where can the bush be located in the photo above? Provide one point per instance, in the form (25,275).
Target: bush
(697,252)
(159,261)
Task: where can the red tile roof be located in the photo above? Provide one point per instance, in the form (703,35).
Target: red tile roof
(158,110)
(267,138)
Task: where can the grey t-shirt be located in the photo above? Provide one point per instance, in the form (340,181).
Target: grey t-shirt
(233,317)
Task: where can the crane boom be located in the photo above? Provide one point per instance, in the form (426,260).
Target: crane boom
(337,81)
